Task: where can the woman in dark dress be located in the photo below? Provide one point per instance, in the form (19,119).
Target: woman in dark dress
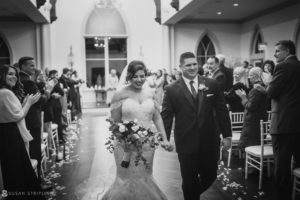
(19,178)
(255,109)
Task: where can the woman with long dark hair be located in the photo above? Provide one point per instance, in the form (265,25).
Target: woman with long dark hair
(19,178)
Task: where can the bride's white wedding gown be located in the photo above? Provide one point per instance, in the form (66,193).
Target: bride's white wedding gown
(135,182)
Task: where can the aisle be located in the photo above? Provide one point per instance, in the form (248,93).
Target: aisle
(88,160)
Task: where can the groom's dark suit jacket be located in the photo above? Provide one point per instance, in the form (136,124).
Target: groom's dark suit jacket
(195,121)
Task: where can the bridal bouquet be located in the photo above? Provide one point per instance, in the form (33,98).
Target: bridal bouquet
(132,136)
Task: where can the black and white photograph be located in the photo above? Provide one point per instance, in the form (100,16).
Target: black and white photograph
(149,100)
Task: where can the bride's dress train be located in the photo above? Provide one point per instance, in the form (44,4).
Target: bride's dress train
(134,182)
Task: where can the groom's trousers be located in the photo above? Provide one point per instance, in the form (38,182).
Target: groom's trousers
(198,172)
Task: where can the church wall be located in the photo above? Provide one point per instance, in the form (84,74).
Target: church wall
(143,32)
(234,40)
(274,27)
(226,38)
(20,38)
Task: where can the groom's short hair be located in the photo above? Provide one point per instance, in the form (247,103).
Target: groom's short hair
(185,56)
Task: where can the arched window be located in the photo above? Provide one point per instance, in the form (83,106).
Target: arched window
(205,49)
(4,53)
(258,47)
(298,41)
(105,44)
(257,43)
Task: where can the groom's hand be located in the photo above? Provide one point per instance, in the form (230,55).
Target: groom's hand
(167,146)
(226,143)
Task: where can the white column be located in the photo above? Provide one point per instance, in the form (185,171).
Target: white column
(38,45)
(106,61)
(46,46)
(166,48)
(172,47)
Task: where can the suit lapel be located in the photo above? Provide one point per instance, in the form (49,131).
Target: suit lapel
(186,92)
(201,94)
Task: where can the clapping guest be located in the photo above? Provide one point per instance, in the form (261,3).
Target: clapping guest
(112,83)
(18,174)
(268,68)
(217,73)
(267,75)
(75,77)
(255,105)
(33,118)
(150,80)
(55,102)
(159,83)
(285,128)
(206,71)
(168,80)
(177,75)
(240,82)
(63,80)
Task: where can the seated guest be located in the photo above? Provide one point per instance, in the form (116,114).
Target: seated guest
(240,82)
(17,172)
(255,109)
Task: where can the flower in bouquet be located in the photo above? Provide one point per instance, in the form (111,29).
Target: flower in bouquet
(132,137)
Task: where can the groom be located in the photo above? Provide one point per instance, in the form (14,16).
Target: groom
(198,107)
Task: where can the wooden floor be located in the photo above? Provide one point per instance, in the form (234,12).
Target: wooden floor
(87,160)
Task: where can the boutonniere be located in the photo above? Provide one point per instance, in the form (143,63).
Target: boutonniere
(202,87)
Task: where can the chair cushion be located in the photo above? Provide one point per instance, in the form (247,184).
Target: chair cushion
(53,126)
(43,147)
(256,150)
(236,136)
(297,172)
(45,135)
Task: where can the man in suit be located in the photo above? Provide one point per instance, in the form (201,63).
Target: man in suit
(63,80)
(217,73)
(33,118)
(285,128)
(56,94)
(227,71)
(193,100)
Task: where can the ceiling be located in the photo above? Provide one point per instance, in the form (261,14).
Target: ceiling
(20,10)
(206,10)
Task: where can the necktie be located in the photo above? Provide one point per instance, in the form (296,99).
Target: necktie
(194,93)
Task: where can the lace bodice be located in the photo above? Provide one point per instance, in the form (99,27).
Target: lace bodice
(143,112)
(135,110)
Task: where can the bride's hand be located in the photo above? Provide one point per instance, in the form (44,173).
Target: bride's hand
(167,145)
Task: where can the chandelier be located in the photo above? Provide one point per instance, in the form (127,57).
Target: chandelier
(110,4)
(98,42)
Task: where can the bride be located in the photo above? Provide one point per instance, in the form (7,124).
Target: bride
(135,102)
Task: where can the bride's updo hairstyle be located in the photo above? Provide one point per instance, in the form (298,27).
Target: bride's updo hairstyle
(133,67)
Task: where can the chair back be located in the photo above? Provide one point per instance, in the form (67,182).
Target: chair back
(237,120)
(42,126)
(269,115)
(265,138)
